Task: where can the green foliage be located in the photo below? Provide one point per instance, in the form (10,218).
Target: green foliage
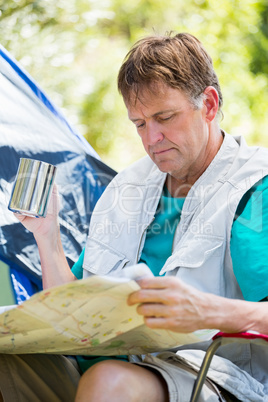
(74,49)
(259,45)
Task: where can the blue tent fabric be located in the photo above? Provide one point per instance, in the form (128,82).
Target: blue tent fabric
(32,127)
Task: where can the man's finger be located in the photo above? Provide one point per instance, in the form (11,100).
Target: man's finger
(157,322)
(156,283)
(153,310)
(148,296)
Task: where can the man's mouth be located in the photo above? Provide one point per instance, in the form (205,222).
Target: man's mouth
(162,151)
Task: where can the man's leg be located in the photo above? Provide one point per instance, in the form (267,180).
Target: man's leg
(121,381)
(152,380)
(39,378)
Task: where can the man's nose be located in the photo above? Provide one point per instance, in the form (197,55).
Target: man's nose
(154,133)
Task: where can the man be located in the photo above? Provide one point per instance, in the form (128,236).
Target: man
(185,211)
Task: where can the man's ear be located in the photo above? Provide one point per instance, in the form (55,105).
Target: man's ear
(211,102)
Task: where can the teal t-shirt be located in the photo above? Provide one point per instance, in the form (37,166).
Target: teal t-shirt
(159,237)
(77,268)
(248,245)
(249,241)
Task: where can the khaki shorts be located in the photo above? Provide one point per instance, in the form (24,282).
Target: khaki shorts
(52,378)
(180,378)
(38,378)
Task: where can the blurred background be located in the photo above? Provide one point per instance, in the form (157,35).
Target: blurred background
(74,49)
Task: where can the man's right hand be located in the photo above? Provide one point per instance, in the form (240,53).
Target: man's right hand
(46,231)
(43,227)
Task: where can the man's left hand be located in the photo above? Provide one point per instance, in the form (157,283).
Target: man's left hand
(168,303)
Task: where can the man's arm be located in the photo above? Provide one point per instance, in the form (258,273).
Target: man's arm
(168,303)
(55,268)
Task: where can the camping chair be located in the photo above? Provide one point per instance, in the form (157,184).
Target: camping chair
(220,339)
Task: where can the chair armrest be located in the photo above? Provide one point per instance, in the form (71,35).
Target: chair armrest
(222,338)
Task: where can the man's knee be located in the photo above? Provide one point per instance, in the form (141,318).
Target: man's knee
(108,374)
(120,381)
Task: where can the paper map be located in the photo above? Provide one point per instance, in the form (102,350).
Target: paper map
(86,317)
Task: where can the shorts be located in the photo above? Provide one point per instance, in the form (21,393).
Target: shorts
(38,378)
(55,378)
(180,378)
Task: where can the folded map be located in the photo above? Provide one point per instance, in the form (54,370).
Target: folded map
(86,317)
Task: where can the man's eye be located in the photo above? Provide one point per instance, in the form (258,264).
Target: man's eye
(140,125)
(166,118)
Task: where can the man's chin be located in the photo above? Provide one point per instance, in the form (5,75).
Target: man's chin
(165,167)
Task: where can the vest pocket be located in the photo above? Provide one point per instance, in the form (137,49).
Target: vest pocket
(194,252)
(102,259)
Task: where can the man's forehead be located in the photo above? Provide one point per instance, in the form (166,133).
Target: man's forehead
(146,92)
(149,102)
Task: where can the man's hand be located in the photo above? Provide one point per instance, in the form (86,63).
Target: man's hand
(46,231)
(168,303)
(42,227)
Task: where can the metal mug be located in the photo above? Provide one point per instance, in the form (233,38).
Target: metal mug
(32,188)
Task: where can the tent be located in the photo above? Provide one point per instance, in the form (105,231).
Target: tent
(32,127)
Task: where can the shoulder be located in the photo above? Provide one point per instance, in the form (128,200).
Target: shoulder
(258,192)
(133,181)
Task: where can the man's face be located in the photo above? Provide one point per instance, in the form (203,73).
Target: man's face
(174,134)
